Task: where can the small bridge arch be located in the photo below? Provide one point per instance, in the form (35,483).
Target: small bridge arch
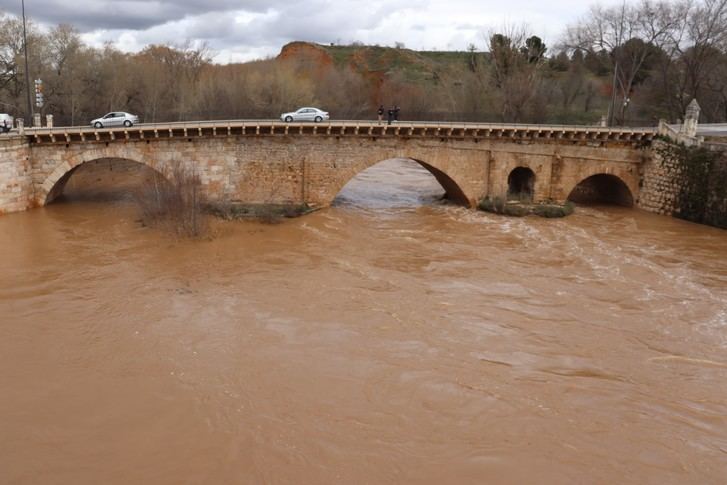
(521,183)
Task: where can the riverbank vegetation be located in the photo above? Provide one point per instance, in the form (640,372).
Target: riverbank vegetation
(172,200)
(638,61)
(520,207)
(266,213)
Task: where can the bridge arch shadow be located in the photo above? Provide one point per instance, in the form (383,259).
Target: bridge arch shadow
(602,188)
(399,181)
(100,179)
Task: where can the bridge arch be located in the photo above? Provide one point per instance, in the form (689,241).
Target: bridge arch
(602,188)
(116,165)
(521,183)
(452,188)
(56,179)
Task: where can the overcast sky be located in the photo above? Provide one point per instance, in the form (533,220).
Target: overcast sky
(241,30)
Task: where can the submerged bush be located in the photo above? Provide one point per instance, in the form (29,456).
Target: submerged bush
(554,210)
(172,199)
(495,204)
(500,205)
(517,208)
(267,213)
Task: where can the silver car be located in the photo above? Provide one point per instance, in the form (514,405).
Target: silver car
(305,114)
(117,118)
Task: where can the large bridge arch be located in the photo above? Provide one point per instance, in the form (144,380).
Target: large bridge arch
(452,189)
(463,174)
(59,188)
(60,171)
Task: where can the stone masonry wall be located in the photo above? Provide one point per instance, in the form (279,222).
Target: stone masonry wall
(16,187)
(661,183)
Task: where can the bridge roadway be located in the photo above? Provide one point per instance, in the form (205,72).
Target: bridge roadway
(573,134)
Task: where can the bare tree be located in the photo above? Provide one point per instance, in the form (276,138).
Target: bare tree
(12,70)
(698,51)
(516,65)
(68,61)
(630,34)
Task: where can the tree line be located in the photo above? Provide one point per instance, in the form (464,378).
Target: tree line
(632,63)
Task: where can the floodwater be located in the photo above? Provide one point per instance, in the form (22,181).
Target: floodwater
(389,339)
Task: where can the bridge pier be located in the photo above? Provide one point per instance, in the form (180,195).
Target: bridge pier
(16,175)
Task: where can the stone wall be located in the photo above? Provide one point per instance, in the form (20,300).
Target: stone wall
(716,207)
(16,187)
(661,183)
(688,184)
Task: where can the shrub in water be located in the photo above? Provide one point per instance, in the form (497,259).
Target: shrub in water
(173,199)
(554,210)
(496,204)
(516,210)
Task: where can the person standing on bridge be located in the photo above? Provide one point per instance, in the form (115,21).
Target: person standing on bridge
(380,112)
(391,114)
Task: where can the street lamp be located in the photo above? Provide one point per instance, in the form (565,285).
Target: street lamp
(27,72)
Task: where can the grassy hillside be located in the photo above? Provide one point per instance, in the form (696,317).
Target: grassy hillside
(413,65)
(450,84)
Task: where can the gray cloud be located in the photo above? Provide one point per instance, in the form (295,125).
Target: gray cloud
(123,14)
(242,29)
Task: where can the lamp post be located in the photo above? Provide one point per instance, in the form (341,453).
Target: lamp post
(27,72)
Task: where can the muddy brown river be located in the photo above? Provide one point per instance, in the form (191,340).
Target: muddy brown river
(391,338)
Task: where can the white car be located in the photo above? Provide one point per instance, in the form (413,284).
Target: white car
(117,118)
(6,122)
(305,114)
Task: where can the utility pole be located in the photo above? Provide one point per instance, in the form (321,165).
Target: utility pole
(27,72)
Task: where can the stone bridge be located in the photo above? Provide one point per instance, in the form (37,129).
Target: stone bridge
(275,162)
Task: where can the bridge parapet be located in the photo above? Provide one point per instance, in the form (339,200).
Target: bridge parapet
(678,134)
(565,134)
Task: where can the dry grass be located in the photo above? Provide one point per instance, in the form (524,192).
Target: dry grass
(173,200)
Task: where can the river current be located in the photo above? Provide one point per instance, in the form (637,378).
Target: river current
(391,338)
